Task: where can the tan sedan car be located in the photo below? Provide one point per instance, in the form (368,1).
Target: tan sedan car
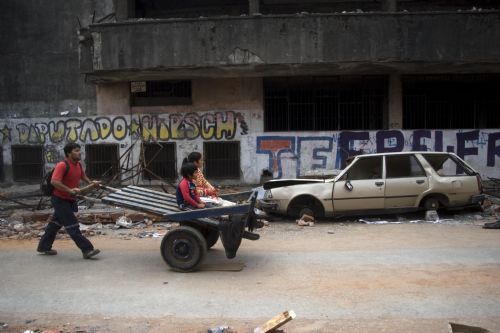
(379,183)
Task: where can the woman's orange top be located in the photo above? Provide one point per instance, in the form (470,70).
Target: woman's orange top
(203,187)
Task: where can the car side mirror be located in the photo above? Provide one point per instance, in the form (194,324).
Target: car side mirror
(348,185)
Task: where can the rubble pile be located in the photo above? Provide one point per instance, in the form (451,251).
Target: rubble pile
(140,225)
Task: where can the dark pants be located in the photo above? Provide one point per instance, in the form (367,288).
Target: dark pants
(64,216)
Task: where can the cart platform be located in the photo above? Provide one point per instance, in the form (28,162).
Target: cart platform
(185,247)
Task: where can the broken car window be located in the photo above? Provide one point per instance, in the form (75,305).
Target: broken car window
(446,165)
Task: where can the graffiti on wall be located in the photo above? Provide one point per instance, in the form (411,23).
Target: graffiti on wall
(190,126)
(53,154)
(301,153)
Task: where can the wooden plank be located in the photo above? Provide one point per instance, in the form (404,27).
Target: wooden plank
(275,322)
(245,195)
(208,212)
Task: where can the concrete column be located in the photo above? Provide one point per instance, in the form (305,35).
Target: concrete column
(113,98)
(395,102)
(253,7)
(389,5)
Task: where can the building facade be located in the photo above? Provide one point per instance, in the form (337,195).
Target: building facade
(260,87)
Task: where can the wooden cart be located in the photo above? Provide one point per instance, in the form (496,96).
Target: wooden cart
(184,248)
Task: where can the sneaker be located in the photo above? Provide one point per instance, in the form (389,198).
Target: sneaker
(90,254)
(48,252)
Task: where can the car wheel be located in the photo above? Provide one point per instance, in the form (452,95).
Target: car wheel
(431,204)
(183,248)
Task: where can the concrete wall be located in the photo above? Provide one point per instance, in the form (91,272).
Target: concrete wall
(39,60)
(298,44)
(287,155)
(232,94)
(113,98)
(294,154)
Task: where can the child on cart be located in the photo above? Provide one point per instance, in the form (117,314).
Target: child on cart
(186,195)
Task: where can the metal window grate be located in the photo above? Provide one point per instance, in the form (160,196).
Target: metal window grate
(27,163)
(101,161)
(451,101)
(324,103)
(189,8)
(222,159)
(159,161)
(163,93)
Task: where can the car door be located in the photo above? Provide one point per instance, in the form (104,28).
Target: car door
(405,181)
(361,187)
(453,178)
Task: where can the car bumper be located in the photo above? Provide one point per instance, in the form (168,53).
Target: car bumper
(267,206)
(475,199)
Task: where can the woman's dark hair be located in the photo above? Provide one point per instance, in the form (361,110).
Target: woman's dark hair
(192,157)
(188,169)
(68,148)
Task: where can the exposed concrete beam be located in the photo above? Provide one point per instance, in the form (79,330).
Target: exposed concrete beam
(291,70)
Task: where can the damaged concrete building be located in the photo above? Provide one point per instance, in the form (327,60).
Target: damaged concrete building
(277,87)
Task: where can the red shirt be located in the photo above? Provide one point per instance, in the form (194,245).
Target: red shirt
(189,195)
(71,180)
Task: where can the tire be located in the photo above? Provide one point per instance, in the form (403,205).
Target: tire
(183,249)
(431,204)
(211,237)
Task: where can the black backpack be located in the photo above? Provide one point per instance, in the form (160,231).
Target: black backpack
(46,186)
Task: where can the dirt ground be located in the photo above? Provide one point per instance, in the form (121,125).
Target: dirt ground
(337,276)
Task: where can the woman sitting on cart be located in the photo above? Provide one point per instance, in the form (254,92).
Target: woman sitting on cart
(186,190)
(203,187)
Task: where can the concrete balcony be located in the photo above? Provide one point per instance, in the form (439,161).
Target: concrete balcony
(367,43)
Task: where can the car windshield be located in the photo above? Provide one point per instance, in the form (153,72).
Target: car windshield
(448,165)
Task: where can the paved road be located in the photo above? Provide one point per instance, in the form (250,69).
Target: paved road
(336,277)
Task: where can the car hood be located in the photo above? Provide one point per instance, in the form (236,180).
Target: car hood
(288,182)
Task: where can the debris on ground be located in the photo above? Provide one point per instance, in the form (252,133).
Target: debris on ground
(492,225)
(272,324)
(149,234)
(124,221)
(306,221)
(378,221)
(141,226)
(431,215)
(491,206)
(221,329)
(459,328)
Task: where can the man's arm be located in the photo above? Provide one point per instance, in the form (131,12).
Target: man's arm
(87,179)
(60,186)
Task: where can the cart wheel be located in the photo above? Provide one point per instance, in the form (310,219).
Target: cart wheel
(211,237)
(183,248)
